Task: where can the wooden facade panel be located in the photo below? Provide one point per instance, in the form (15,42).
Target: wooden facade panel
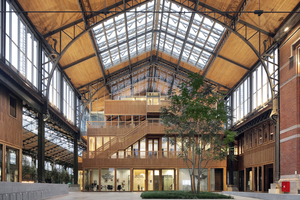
(11,127)
(156,108)
(145,163)
(125,107)
(108,131)
(261,155)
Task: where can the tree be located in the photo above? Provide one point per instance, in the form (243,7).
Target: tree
(197,116)
(64,176)
(55,175)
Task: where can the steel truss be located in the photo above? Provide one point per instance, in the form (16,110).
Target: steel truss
(254,122)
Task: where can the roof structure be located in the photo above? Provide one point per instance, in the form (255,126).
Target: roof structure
(111,49)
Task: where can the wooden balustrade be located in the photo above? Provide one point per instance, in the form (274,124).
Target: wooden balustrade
(156,108)
(125,107)
(122,141)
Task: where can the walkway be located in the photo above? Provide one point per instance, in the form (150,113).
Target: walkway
(111,196)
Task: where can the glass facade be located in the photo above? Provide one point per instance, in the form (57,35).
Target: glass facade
(108,179)
(12,165)
(139,179)
(167,179)
(123,180)
(255,90)
(21,46)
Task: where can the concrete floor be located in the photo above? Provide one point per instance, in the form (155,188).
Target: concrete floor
(111,196)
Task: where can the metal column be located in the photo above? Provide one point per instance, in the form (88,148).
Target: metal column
(41,149)
(230,163)
(75,169)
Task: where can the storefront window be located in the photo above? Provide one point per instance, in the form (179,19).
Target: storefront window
(139,180)
(203,179)
(123,179)
(168,179)
(12,165)
(184,180)
(107,179)
(80,178)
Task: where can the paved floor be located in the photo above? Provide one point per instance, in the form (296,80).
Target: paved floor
(111,196)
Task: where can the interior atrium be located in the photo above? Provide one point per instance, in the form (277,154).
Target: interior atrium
(82,83)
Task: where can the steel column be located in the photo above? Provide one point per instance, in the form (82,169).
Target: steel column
(41,149)
(75,153)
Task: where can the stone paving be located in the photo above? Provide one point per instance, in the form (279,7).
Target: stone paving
(111,196)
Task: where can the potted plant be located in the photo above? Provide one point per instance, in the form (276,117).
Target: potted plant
(138,187)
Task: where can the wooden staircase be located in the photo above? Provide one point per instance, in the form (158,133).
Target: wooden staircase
(122,142)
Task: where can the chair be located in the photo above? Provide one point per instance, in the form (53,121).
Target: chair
(119,187)
(110,187)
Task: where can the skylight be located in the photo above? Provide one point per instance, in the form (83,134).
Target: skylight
(202,39)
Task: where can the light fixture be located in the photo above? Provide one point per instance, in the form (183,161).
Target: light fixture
(286,29)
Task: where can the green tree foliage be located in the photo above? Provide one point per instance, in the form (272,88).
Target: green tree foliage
(197,116)
(29,173)
(64,176)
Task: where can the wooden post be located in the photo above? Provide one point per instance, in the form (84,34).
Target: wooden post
(131,179)
(146,185)
(20,165)
(177,180)
(174,180)
(224,179)
(160,180)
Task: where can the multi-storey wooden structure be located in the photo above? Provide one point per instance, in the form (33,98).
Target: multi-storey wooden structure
(132,141)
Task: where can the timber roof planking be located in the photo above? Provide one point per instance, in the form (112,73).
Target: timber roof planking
(165,38)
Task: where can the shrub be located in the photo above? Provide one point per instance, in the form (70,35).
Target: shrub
(182,195)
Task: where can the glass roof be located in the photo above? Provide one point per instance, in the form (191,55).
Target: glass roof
(202,39)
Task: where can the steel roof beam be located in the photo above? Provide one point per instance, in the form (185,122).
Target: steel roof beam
(218,49)
(92,38)
(184,42)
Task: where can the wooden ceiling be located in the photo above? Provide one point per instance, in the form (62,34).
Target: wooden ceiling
(82,66)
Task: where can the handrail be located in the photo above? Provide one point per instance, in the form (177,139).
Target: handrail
(123,141)
(138,155)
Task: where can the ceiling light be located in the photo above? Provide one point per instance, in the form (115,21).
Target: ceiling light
(286,29)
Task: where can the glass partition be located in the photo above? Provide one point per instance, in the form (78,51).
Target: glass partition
(184,180)
(150,180)
(123,179)
(12,165)
(80,179)
(139,180)
(168,179)
(164,147)
(143,148)
(107,179)
(203,180)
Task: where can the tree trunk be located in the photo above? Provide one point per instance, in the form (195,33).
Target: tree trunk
(198,184)
(192,188)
